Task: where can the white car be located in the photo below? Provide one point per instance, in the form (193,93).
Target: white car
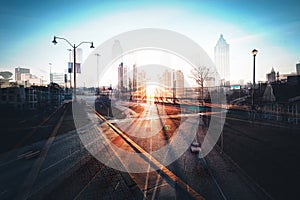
(195,147)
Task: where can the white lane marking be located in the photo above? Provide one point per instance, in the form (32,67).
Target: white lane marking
(117,185)
(213,177)
(156,186)
(147,176)
(57,162)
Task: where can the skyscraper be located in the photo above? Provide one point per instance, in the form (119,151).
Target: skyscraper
(134,79)
(120,77)
(298,68)
(19,71)
(141,83)
(166,79)
(222,60)
(271,77)
(125,78)
(179,83)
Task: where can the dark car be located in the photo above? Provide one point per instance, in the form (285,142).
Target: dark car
(103,105)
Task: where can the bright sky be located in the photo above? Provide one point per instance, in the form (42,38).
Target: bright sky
(271,27)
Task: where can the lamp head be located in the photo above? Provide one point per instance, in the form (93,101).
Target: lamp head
(92,45)
(54,41)
(254,52)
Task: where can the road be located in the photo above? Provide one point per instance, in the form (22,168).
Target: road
(118,159)
(267,152)
(148,130)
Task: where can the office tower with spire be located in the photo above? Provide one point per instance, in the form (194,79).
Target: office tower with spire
(222,60)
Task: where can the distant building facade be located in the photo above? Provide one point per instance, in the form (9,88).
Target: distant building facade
(271,77)
(134,78)
(21,71)
(222,60)
(125,78)
(165,81)
(293,80)
(19,98)
(141,83)
(179,80)
(12,98)
(58,78)
(284,77)
(23,77)
(298,68)
(121,77)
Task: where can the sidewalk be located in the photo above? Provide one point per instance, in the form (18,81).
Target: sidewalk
(263,122)
(232,181)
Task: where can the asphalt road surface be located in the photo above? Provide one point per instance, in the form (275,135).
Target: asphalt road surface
(101,159)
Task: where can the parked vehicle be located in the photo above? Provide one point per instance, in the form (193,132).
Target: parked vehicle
(195,147)
(103,105)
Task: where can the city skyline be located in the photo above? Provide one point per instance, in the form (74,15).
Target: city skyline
(160,99)
(127,76)
(271,28)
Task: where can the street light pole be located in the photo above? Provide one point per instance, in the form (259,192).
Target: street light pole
(50,75)
(74,70)
(254,52)
(174,87)
(74,63)
(97,54)
(70,71)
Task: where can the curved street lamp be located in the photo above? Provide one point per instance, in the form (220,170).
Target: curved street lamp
(74,51)
(254,52)
(98,55)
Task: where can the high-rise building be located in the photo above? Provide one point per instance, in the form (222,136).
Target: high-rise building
(23,77)
(222,60)
(123,84)
(179,78)
(298,68)
(20,73)
(141,83)
(271,77)
(166,82)
(120,77)
(117,49)
(125,78)
(134,79)
(166,79)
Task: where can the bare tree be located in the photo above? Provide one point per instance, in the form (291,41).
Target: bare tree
(200,75)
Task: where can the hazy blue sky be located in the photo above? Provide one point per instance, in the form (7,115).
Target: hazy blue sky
(272,27)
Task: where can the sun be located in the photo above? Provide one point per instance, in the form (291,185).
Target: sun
(151,92)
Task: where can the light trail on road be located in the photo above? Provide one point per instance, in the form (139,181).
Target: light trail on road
(168,175)
(207,181)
